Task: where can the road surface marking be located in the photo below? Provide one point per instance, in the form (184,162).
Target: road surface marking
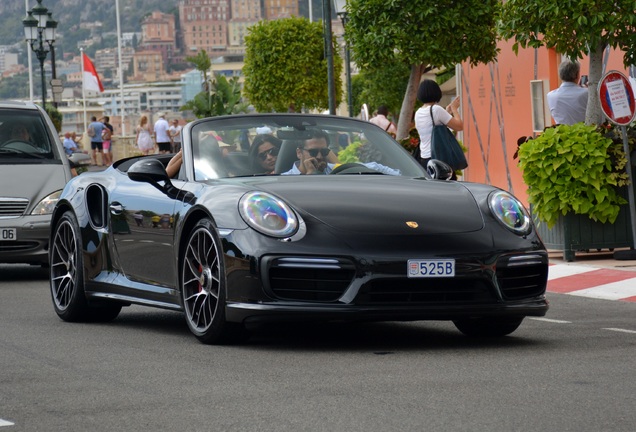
(551,320)
(599,283)
(620,330)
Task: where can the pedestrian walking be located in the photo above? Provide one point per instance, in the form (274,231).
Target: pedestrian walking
(94,131)
(144,136)
(175,135)
(161,134)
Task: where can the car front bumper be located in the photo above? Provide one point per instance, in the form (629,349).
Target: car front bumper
(248,313)
(31,243)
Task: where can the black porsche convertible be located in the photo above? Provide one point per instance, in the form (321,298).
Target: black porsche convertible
(293,217)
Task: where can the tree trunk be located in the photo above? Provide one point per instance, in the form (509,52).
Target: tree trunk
(408,104)
(593,114)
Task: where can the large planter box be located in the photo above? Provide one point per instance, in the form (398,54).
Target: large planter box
(574,233)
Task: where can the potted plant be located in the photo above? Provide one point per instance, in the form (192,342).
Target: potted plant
(576,180)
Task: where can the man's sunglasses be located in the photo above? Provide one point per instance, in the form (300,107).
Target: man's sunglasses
(263,155)
(314,151)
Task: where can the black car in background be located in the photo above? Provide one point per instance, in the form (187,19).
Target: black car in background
(370,237)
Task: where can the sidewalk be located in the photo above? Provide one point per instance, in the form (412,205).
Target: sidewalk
(602,259)
(594,275)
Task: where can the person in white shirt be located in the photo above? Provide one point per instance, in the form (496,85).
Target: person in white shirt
(383,122)
(430,93)
(568,103)
(175,135)
(161,134)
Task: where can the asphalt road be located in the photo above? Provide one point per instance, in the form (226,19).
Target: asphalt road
(145,372)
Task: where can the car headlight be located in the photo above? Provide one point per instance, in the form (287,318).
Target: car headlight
(268,214)
(510,212)
(46,205)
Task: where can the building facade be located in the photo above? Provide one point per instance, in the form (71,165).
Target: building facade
(158,33)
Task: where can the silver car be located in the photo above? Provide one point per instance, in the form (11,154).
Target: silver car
(33,170)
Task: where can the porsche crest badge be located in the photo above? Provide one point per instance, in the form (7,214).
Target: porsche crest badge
(411,224)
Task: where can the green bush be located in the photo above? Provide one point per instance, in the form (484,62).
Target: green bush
(574,168)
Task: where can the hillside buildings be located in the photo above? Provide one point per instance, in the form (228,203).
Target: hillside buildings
(157,76)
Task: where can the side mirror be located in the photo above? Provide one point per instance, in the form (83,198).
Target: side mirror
(439,170)
(78,159)
(152,171)
(148,170)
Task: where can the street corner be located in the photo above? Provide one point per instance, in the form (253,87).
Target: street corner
(593,274)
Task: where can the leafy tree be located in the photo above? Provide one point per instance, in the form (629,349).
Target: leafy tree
(574,28)
(15,87)
(219,96)
(377,86)
(202,63)
(285,66)
(56,117)
(224,98)
(421,34)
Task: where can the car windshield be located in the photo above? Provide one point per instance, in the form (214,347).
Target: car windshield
(23,136)
(294,144)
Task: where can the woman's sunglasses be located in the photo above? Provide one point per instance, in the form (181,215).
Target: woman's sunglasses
(263,155)
(314,151)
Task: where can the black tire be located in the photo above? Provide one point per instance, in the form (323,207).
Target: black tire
(203,287)
(487,327)
(67,276)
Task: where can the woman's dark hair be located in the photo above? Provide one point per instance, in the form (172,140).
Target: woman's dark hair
(253,154)
(429,91)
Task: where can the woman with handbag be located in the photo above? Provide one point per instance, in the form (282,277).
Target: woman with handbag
(431,114)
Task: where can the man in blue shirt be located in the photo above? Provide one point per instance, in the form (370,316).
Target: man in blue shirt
(312,155)
(568,103)
(70,146)
(95,133)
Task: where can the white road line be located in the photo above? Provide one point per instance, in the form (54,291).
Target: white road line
(551,320)
(620,330)
(6,423)
(563,270)
(612,291)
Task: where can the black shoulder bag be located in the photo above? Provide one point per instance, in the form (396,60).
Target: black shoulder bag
(444,146)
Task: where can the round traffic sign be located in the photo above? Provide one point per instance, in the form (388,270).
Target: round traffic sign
(617,98)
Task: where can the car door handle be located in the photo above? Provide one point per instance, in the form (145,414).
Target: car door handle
(116,208)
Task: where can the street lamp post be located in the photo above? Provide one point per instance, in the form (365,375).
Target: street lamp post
(343,14)
(37,33)
(326,17)
(52,25)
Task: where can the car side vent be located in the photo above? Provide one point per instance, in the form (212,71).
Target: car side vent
(96,205)
(522,276)
(308,279)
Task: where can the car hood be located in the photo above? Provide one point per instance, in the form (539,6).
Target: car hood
(382,205)
(33,182)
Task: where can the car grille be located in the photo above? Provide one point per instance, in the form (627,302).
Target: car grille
(309,279)
(522,276)
(13,207)
(441,291)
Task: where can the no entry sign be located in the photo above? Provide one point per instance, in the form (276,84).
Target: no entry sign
(617,98)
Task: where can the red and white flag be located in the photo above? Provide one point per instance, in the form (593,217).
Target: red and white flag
(90,77)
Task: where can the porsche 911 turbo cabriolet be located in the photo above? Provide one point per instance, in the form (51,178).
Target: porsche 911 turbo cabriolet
(293,217)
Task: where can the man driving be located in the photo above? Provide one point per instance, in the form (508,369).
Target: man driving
(314,155)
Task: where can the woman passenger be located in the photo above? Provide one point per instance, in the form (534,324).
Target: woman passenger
(263,153)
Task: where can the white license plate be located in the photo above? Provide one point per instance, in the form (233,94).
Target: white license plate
(8,234)
(431,268)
